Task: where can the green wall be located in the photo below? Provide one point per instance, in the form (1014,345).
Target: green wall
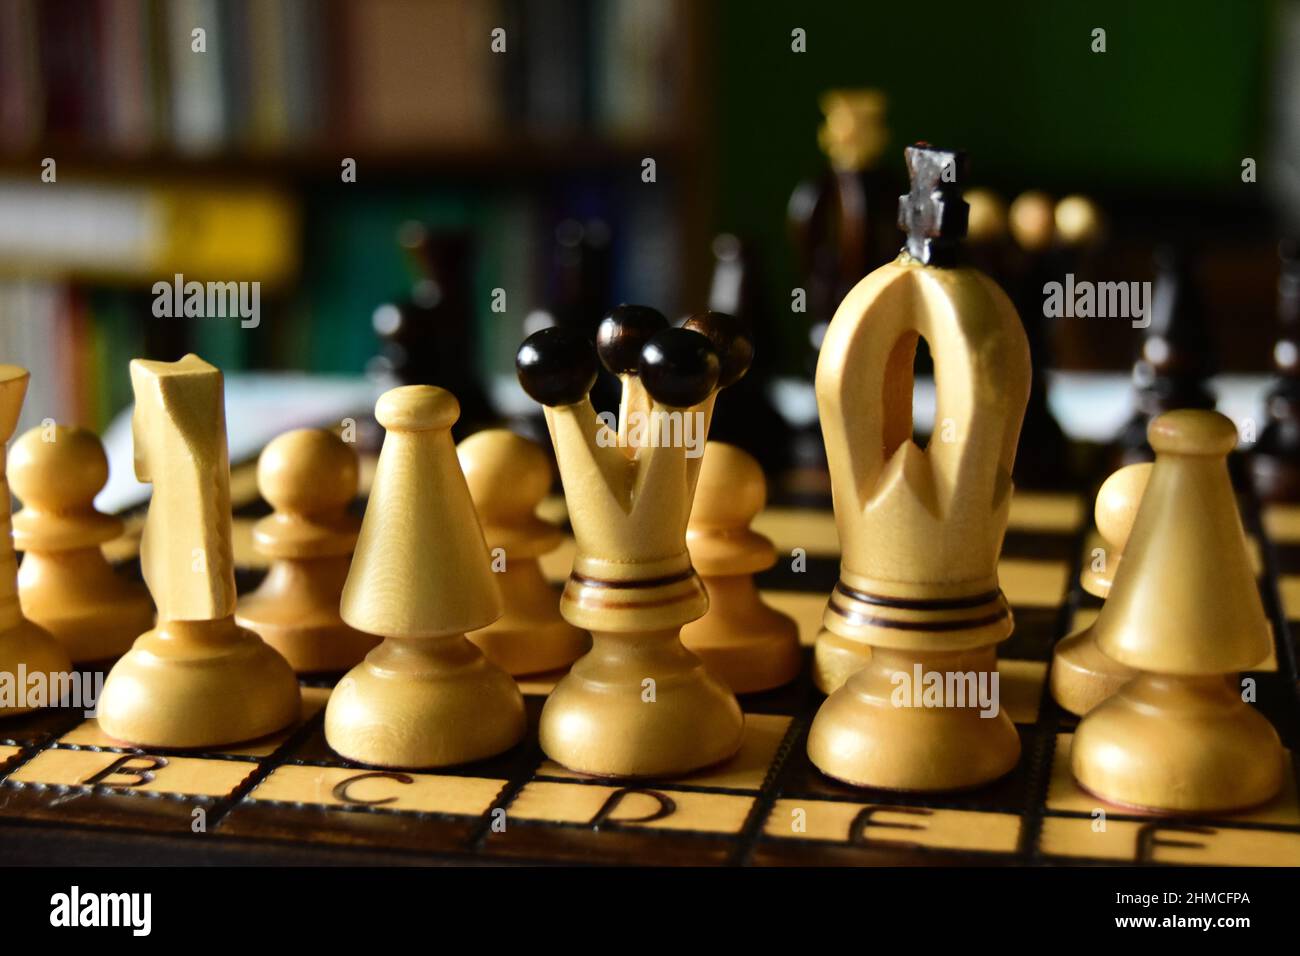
(1177,100)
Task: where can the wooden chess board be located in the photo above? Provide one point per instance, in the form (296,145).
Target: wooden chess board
(78,796)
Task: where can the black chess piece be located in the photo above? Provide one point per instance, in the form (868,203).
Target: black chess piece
(577,283)
(428,337)
(579,286)
(842,225)
(745,415)
(580,281)
(1175,364)
(1275,460)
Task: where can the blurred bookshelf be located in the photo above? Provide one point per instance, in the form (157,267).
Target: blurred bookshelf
(220,156)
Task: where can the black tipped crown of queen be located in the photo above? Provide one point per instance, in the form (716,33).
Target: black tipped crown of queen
(679,367)
(933,213)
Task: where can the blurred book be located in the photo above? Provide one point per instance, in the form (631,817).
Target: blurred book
(22,92)
(130,231)
(198,108)
(419,71)
(217,158)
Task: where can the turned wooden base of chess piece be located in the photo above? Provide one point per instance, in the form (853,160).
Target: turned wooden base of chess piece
(424,702)
(640,705)
(531,637)
(1178,745)
(1082,676)
(747,645)
(872,733)
(837,658)
(26,649)
(295,610)
(189,684)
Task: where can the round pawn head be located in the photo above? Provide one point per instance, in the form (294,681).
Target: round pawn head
(731,489)
(1192,432)
(58,469)
(731,338)
(988,215)
(679,368)
(417,408)
(1117,503)
(1078,221)
(508,476)
(1033,220)
(623,333)
(556,366)
(854,134)
(308,471)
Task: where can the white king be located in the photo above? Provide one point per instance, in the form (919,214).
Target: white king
(920,528)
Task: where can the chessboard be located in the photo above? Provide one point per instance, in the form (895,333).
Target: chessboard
(77,796)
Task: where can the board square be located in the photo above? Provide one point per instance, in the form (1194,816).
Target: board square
(594,805)
(387,789)
(807,609)
(1282,523)
(1034,584)
(134,772)
(1045,512)
(1168,842)
(791,528)
(858,824)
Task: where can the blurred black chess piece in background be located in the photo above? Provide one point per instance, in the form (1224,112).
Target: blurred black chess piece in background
(577,288)
(843,224)
(1175,364)
(744,414)
(428,337)
(1275,462)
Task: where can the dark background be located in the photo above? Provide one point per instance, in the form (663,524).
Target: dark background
(511,147)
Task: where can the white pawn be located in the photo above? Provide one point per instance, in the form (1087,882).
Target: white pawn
(420,579)
(65,583)
(24,646)
(1082,676)
(309,476)
(743,642)
(508,477)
